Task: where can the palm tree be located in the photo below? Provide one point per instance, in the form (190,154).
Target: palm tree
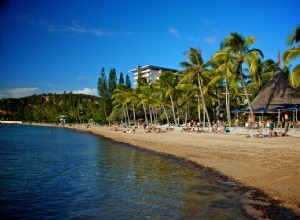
(133,100)
(222,69)
(196,66)
(238,48)
(142,90)
(168,81)
(269,66)
(120,97)
(291,54)
(161,99)
(188,92)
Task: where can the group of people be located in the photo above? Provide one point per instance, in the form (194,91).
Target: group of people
(219,127)
(272,133)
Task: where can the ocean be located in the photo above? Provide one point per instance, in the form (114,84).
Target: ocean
(59,173)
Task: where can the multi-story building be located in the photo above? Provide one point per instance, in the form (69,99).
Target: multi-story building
(152,73)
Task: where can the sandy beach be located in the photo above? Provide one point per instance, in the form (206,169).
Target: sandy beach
(271,165)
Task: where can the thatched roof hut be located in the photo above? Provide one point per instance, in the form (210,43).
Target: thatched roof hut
(276,92)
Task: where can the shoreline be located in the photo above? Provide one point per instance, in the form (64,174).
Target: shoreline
(269,165)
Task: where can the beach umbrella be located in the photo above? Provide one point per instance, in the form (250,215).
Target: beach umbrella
(278,108)
(296,108)
(262,110)
(237,111)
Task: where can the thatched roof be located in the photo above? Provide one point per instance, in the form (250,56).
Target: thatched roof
(277,91)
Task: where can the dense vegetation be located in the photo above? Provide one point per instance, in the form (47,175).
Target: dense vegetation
(78,108)
(49,107)
(203,91)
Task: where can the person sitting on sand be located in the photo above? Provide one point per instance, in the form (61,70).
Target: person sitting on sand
(214,129)
(227,129)
(259,134)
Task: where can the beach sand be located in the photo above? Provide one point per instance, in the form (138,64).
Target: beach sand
(271,165)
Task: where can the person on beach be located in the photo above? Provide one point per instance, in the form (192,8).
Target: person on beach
(271,131)
(259,134)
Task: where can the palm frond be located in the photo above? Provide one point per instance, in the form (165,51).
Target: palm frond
(295,77)
(294,37)
(291,54)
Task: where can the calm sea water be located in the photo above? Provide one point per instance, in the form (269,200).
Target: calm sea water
(66,174)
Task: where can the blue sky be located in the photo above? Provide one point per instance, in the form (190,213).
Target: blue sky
(52,46)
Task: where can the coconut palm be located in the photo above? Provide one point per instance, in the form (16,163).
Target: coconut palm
(188,92)
(269,67)
(196,66)
(223,72)
(133,100)
(143,91)
(291,54)
(237,47)
(169,81)
(161,99)
(120,97)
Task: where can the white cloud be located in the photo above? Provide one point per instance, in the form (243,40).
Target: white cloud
(210,40)
(84,78)
(86,91)
(174,32)
(77,29)
(49,26)
(17,92)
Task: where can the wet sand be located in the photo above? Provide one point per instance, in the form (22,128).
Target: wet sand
(271,165)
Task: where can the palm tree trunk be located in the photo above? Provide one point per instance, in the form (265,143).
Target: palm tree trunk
(124,115)
(173,110)
(168,122)
(203,102)
(150,114)
(228,102)
(145,112)
(134,119)
(199,113)
(156,114)
(186,114)
(127,114)
(246,93)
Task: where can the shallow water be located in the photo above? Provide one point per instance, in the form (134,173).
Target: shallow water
(67,174)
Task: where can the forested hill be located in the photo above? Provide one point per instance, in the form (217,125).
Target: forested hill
(48,108)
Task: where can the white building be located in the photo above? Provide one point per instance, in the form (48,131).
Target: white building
(152,73)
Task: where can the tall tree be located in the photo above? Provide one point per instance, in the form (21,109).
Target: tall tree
(128,82)
(103,93)
(112,81)
(223,72)
(102,85)
(120,97)
(291,54)
(169,81)
(238,48)
(112,84)
(196,66)
(121,79)
(143,91)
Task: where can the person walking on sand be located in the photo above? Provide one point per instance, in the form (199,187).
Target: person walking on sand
(271,131)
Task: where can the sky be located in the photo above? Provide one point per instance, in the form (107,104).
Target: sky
(56,46)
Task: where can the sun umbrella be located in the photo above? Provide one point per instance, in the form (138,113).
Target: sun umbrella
(262,110)
(236,111)
(296,107)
